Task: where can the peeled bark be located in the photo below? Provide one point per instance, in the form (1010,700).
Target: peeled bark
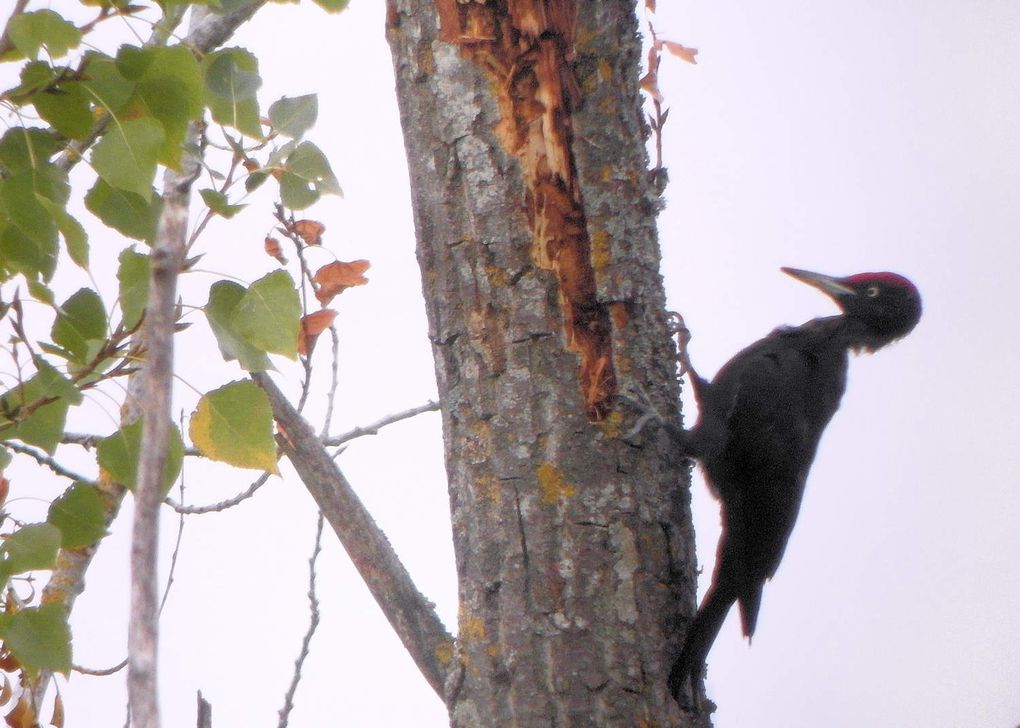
(535,219)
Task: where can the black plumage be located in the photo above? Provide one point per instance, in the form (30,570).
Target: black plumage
(760,421)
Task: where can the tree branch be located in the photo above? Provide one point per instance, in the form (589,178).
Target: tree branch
(373,428)
(313,624)
(160,317)
(68,578)
(411,615)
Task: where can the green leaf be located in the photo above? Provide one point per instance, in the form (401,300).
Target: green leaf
(231,80)
(40,292)
(293,117)
(232,74)
(118,455)
(234,424)
(55,384)
(127,213)
(307,175)
(218,203)
(333,6)
(39,637)
(66,108)
(126,156)
(297,193)
(170,88)
(268,316)
(29,548)
(81,320)
(21,254)
(5,458)
(44,425)
(74,235)
(133,276)
(18,201)
(224,297)
(24,149)
(79,515)
(105,85)
(31,31)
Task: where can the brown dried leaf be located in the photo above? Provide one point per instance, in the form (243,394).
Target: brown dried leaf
(272,246)
(309,230)
(21,715)
(311,326)
(337,277)
(8,662)
(58,713)
(5,488)
(680,51)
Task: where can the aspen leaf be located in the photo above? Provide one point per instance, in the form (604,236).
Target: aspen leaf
(39,637)
(268,313)
(337,277)
(78,513)
(133,279)
(273,249)
(29,548)
(224,297)
(311,326)
(680,51)
(309,230)
(234,424)
(293,117)
(118,455)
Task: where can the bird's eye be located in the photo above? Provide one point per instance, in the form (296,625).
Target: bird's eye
(872,291)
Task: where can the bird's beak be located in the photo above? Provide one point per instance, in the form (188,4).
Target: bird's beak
(827,284)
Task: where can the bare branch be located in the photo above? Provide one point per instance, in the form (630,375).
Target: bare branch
(373,428)
(160,316)
(412,616)
(222,505)
(47,461)
(204,712)
(68,577)
(101,672)
(313,604)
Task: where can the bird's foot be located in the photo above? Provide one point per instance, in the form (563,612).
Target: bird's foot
(678,328)
(639,400)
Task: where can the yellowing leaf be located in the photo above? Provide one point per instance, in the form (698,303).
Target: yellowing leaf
(234,424)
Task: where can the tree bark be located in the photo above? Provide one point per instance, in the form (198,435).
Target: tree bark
(535,220)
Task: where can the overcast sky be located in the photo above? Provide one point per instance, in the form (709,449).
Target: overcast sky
(840,137)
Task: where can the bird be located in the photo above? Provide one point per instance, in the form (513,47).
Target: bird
(759,424)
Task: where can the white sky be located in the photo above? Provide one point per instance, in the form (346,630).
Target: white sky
(835,137)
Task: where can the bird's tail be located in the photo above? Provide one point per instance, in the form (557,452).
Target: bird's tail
(698,641)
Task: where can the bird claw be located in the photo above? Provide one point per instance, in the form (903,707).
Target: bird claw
(642,404)
(678,328)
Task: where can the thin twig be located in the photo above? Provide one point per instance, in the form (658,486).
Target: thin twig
(373,428)
(222,505)
(313,624)
(334,383)
(101,672)
(47,461)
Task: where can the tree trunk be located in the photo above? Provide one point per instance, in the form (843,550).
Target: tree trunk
(535,219)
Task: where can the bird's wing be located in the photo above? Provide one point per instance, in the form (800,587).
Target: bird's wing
(774,407)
